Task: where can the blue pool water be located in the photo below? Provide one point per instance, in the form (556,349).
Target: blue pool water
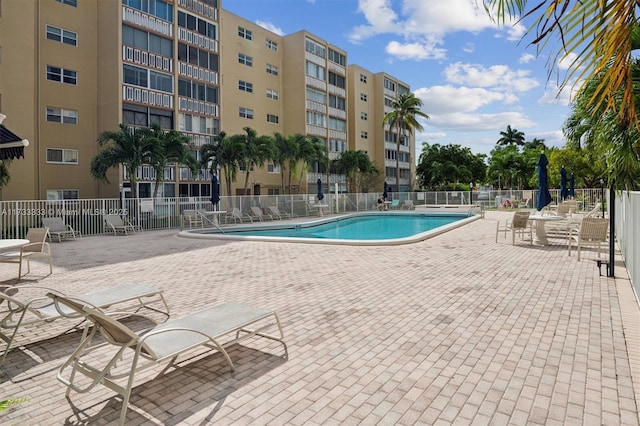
(389,228)
(374,227)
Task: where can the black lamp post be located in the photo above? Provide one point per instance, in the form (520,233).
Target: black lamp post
(602,195)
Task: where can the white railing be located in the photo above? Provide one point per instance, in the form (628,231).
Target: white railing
(627,217)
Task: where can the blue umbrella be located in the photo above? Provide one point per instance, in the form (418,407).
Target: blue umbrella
(564,192)
(544,197)
(320,194)
(215,191)
(572,186)
(385,194)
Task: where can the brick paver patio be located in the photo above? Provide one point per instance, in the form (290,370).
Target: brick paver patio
(453,330)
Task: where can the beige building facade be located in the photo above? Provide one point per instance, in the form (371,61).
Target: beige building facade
(72,69)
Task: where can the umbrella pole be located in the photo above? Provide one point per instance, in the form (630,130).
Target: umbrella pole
(612,231)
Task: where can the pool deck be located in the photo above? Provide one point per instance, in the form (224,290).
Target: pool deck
(456,329)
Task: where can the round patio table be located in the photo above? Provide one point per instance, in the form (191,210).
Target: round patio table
(540,237)
(12,243)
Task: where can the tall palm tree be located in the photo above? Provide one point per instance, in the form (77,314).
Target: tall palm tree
(601,32)
(128,147)
(257,150)
(225,153)
(174,148)
(406,110)
(310,149)
(511,137)
(351,163)
(285,154)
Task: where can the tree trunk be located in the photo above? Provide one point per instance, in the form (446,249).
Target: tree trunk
(398,159)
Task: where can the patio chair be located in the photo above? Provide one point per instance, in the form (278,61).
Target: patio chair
(592,232)
(192,218)
(28,305)
(408,205)
(57,228)
(215,327)
(37,247)
(258,214)
(277,213)
(116,224)
(237,216)
(395,204)
(518,224)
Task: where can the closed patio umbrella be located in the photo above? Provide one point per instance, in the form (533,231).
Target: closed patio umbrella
(215,191)
(572,186)
(564,192)
(544,197)
(320,194)
(385,194)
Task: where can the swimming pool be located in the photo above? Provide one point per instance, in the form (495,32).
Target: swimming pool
(370,228)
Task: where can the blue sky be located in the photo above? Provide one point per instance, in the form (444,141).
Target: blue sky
(473,76)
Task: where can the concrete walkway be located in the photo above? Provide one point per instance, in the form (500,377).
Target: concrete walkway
(457,329)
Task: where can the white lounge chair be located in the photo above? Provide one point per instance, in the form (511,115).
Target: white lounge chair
(237,216)
(258,214)
(37,247)
(192,218)
(58,229)
(27,305)
(116,224)
(519,224)
(407,205)
(215,327)
(276,212)
(592,232)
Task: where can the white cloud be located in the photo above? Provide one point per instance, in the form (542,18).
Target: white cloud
(417,50)
(567,60)
(556,95)
(448,99)
(463,122)
(498,77)
(526,58)
(271,27)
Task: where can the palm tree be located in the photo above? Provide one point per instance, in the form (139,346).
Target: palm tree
(351,163)
(5,177)
(601,31)
(174,149)
(128,147)
(310,149)
(257,150)
(511,137)
(406,110)
(225,153)
(284,155)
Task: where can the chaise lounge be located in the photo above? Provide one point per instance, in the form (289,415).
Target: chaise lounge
(215,327)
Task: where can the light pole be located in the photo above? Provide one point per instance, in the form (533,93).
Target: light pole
(602,195)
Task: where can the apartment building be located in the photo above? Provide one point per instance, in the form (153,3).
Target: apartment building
(183,64)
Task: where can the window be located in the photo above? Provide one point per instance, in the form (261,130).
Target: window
(273,94)
(198,124)
(388,102)
(337,102)
(336,145)
(316,96)
(272,119)
(363,78)
(138,115)
(62,194)
(315,70)
(59,115)
(62,75)
(245,87)
(364,116)
(195,90)
(273,191)
(337,80)
(363,97)
(146,41)
(337,124)
(73,3)
(272,69)
(135,75)
(160,81)
(246,113)
(388,84)
(272,45)
(158,8)
(245,33)
(62,156)
(315,48)
(316,119)
(245,60)
(272,168)
(196,24)
(337,57)
(195,56)
(402,90)
(62,36)
(364,135)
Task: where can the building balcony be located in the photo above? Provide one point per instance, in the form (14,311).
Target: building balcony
(146,96)
(198,39)
(198,73)
(148,59)
(200,8)
(200,107)
(144,20)
(316,107)
(316,131)
(315,83)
